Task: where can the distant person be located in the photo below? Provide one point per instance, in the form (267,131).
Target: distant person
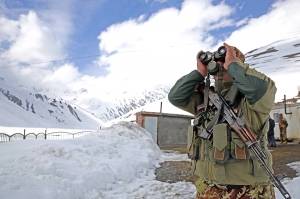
(271,138)
(282,128)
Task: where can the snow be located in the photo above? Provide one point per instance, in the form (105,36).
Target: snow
(117,162)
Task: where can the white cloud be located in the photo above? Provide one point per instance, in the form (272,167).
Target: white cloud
(159,43)
(34,42)
(35,38)
(8,29)
(281,20)
(139,52)
(155,49)
(242,22)
(62,75)
(59,16)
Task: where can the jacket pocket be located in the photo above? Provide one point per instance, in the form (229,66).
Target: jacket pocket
(221,143)
(237,148)
(193,143)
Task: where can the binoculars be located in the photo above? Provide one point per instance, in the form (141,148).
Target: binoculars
(210,59)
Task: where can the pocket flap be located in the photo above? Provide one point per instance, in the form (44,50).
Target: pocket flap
(237,140)
(220,136)
(190,136)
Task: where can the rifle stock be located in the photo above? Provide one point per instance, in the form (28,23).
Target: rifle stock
(248,138)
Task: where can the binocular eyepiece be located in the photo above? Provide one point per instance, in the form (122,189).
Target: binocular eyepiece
(210,59)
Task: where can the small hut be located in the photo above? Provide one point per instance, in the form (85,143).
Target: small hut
(167,130)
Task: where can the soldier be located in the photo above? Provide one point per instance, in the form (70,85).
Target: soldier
(225,167)
(282,128)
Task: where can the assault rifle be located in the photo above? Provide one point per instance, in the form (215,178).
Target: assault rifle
(246,135)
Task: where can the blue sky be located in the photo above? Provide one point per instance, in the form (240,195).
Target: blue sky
(129,41)
(91,17)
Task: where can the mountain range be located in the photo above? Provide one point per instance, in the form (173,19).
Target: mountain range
(33,107)
(18,104)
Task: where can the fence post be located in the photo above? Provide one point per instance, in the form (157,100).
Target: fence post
(46,134)
(24,134)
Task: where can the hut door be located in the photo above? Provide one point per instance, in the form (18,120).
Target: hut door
(151,126)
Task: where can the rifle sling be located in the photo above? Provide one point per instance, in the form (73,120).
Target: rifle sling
(215,119)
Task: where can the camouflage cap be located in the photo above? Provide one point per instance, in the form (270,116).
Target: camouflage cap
(239,54)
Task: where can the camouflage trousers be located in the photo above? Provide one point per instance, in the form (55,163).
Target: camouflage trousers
(283,137)
(208,191)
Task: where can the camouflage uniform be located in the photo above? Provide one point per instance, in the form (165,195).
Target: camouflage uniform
(225,160)
(211,191)
(282,128)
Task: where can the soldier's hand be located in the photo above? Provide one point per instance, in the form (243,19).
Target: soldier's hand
(202,69)
(231,56)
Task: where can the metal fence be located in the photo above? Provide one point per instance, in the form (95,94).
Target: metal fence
(46,136)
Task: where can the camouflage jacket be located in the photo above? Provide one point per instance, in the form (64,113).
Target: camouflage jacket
(236,165)
(283,123)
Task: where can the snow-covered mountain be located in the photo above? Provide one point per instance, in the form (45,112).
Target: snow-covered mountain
(23,108)
(277,58)
(112,106)
(82,109)
(75,109)
(108,105)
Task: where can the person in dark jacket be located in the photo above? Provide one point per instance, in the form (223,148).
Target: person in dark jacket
(224,164)
(271,138)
